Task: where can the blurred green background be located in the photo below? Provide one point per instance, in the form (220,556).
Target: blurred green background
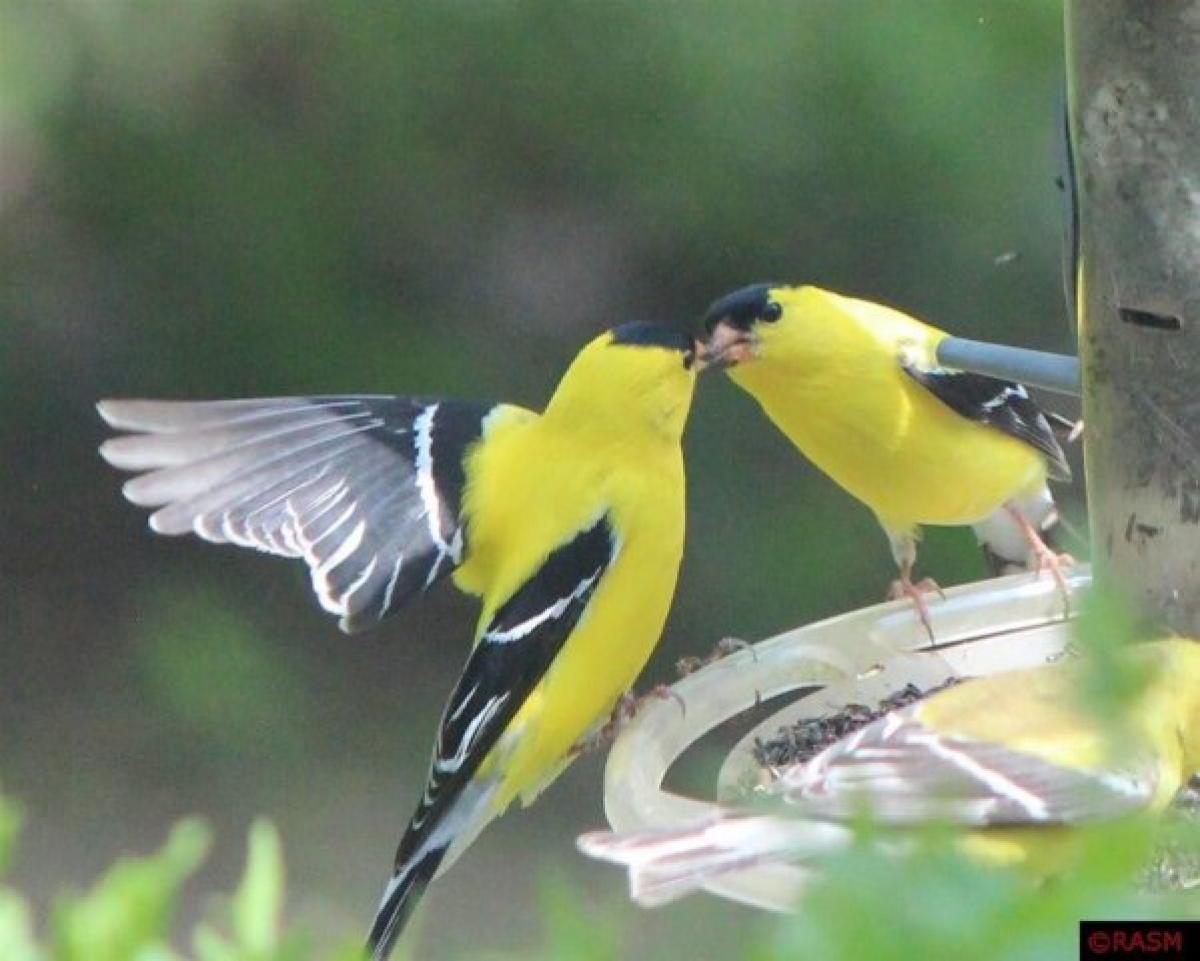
(254,197)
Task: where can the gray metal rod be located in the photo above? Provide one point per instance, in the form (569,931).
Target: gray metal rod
(1133,73)
(1035,368)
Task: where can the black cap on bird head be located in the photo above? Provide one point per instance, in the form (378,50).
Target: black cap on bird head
(640,333)
(743,308)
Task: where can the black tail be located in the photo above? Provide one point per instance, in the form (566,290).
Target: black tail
(403,893)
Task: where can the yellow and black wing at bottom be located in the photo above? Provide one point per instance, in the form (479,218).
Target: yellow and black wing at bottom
(512,657)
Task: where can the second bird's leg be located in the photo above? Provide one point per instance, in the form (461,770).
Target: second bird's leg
(1042,558)
(724,647)
(607,732)
(623,712)
(904,551)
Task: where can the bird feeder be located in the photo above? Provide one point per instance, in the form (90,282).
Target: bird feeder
(861,657)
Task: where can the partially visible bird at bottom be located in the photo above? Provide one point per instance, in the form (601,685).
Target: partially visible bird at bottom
(568,526)
(857,388)
(1017,762)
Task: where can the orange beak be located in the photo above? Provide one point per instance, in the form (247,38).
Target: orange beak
(727,346)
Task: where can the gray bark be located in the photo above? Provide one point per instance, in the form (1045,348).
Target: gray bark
(1134,79)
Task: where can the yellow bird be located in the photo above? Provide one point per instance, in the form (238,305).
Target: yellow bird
(857,388)
(568,526)
(1017,760)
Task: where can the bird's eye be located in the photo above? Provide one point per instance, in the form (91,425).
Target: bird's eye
(771,312)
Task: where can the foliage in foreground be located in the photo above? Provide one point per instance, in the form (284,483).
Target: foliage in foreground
(938,905)
(126,915)
(867,907)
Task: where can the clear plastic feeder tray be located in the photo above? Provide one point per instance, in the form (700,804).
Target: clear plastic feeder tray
(861,657)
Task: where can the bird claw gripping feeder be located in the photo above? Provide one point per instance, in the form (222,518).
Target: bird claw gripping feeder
(1133,138)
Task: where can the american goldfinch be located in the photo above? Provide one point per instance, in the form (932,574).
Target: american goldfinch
(856,387)
(1016,759)
(568,526)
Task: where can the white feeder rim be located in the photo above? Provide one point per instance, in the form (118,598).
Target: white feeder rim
(982,628)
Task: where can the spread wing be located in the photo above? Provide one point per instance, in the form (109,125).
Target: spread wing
(520,642)
(905,773)
(1002,404)
(366,489)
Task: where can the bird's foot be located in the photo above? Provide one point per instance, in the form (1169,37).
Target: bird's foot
(1042,558)
(604,735)
(903,586)
(660,692)
(724,647)
(623,712)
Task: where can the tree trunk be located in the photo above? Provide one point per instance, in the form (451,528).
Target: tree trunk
(1134,97)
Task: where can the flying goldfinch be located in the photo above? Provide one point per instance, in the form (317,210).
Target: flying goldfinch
(1016,759)
(568,526)
(857,388)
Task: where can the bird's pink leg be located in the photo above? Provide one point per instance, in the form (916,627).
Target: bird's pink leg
(903,586)
(1044,559)
(904,552)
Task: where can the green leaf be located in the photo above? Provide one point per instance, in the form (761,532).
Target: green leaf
(259,899)
(16,929)
(10,826)
(208,945)
(127,913)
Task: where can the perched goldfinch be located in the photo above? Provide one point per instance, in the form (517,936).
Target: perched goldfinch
(568,526)
(856,387)
(1015,758)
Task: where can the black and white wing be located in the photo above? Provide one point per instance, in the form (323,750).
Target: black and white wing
(366,489)
(514,652)
(1002,404)
(904,773)
(521,640)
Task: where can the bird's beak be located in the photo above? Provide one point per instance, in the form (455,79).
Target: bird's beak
(728,346)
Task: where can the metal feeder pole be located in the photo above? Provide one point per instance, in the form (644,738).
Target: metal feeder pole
(1134,99)
(1034,368)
